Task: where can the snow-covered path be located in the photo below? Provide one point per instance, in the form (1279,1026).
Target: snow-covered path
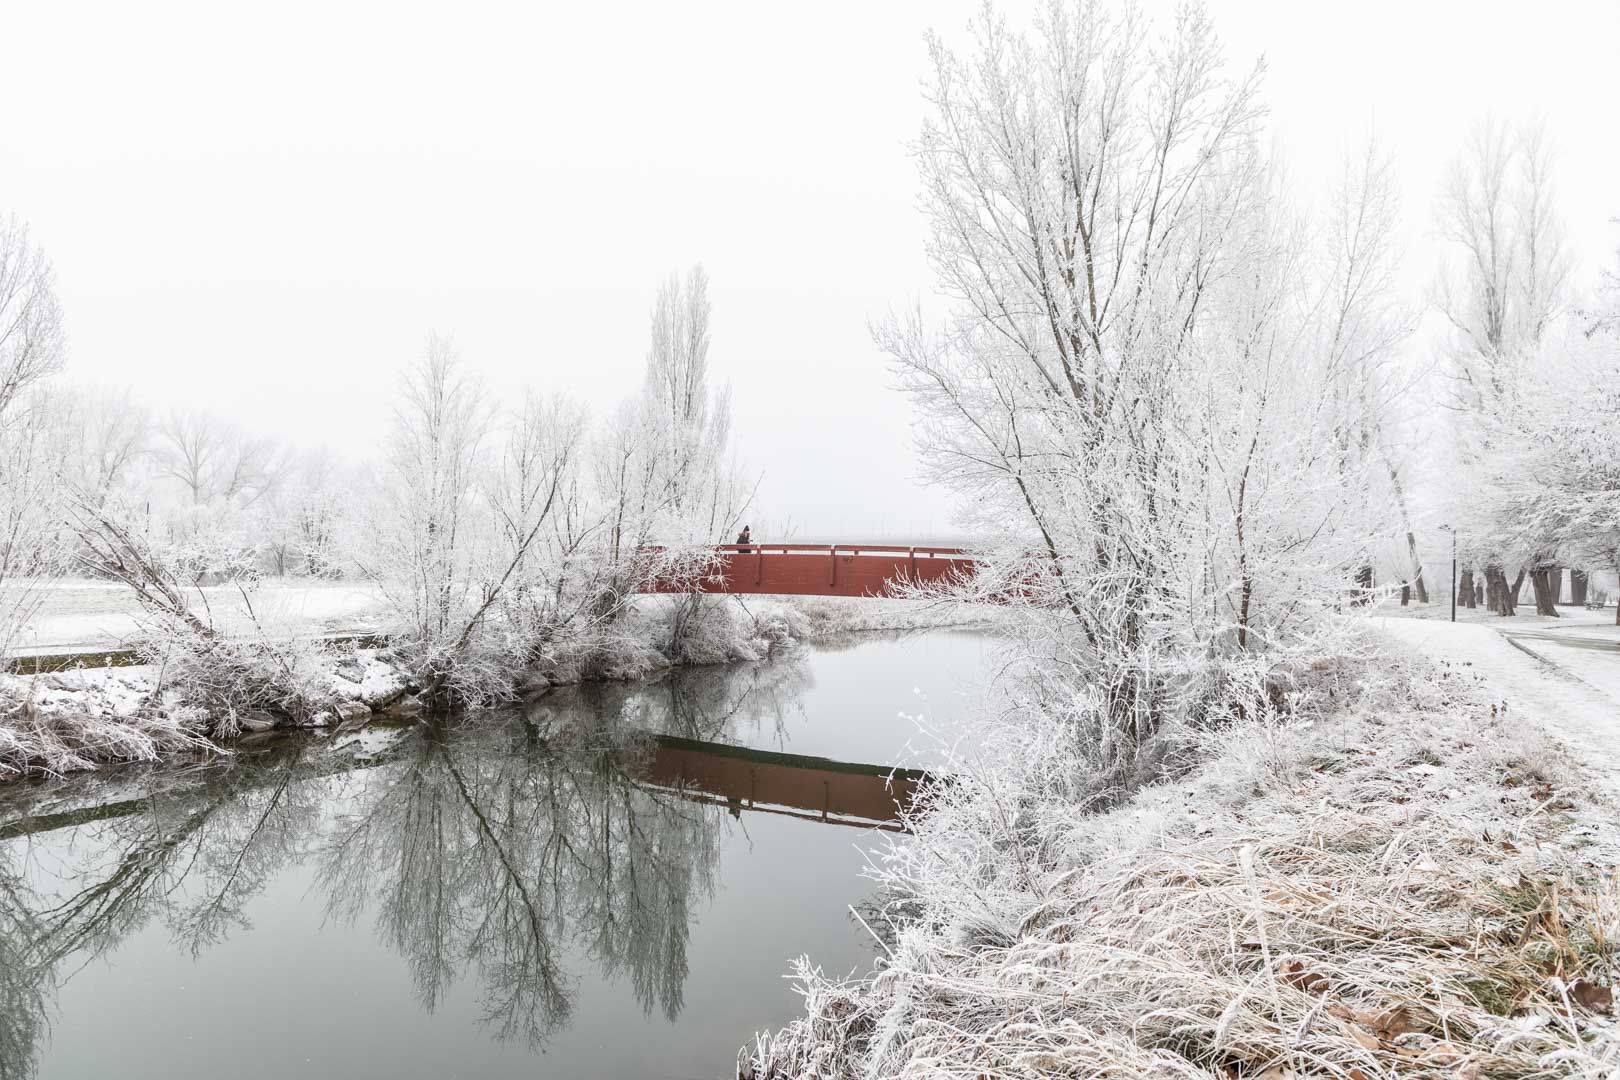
(1570,686)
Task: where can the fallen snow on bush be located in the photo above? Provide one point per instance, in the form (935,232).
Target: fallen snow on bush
(1407,880)
(55,724)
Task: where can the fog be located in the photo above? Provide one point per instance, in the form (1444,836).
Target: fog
(263,211)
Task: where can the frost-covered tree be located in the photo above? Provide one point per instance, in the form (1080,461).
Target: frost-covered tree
(1134,393)
(33,344)
(299,521)
(418,543)
(537,575)
(688,419)
(1604,314)
(1548,482)
(112,434)
(1508,285)
(665,463)
(214,462)
(1512,275)
(664,476)
(33,337)
(1360,325)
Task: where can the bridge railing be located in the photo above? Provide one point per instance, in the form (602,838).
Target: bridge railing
(853,569)
(845,549)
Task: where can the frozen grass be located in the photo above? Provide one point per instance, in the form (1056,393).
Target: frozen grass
(56,724)
(1398,882)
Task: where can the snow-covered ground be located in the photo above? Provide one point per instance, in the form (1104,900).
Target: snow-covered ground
(1439,610)
(1553,678)
(84,613)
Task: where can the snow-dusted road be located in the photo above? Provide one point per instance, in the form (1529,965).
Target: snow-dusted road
(1566,678)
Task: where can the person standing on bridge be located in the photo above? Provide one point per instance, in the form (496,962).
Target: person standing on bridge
(742,540)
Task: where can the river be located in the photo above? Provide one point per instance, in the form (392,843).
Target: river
(610,881)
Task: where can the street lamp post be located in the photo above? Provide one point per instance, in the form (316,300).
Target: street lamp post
(1453,532)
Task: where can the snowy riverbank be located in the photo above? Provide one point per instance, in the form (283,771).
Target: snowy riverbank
(1417,881)
(79,719)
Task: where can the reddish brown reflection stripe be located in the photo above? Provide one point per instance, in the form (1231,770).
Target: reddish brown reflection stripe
(758,779)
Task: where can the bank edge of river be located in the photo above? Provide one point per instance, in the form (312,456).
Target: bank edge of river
(53,723)
(1416,884)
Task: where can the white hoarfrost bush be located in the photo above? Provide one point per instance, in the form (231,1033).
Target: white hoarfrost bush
(55,724)
(224,670)
(236,682)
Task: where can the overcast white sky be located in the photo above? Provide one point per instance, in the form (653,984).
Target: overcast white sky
(262,210)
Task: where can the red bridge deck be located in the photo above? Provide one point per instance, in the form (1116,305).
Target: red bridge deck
(828,569)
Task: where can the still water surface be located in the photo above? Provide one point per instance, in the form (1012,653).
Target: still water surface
(554,892)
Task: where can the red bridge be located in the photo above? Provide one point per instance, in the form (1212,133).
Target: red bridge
(827,569)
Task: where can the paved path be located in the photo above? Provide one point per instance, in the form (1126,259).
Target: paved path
(1565,678)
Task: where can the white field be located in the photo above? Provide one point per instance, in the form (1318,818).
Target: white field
(82,612)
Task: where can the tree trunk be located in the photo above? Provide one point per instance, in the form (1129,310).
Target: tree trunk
(1465,589)
(1500,597)
(1364,586)
(1577,587)
(1479,594)
(1411,541)
(1542,583)
(1518,583)
(1421,589)
(1406,593)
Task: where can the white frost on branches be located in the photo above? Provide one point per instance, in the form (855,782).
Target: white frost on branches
(1154,391)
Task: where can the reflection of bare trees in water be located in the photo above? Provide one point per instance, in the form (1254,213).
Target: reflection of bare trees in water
(492,852)
(500,850)
(744,701)
(191,858)
(24,983)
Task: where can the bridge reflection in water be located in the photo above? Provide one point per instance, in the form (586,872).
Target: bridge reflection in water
(483,852)
(836,792)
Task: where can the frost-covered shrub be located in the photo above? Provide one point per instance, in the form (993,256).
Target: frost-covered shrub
(780,625)
(54,724)
(227,679)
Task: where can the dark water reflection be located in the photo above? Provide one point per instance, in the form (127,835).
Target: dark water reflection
(599,884)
